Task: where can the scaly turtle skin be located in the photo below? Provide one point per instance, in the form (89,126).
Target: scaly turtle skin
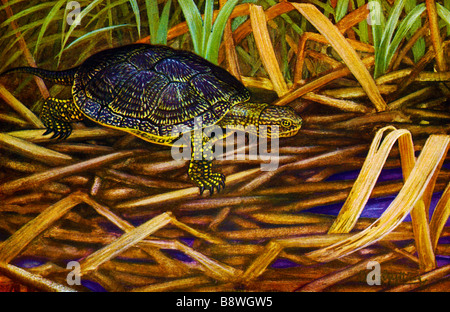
(150,91)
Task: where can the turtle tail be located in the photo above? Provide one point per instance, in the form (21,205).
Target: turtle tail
(63,77)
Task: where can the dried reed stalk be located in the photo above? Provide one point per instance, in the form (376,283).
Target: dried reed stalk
(345,105)
(353,18)
(21,109)
(211,268)
(8,118)
(320,160)
(301,51)
(440,216)
(246,28)
(183,193)
(418,67)
(410,98)
(11,247)
(424,279)
(33,151)
(342,47)
(434,150)
(356,92)
(230,49)
(319,82)
(340,275)
(33,280)
(124,242)
(56,173)
(370,171)
(435,35)
(376,118)
(266,52)
(175,284)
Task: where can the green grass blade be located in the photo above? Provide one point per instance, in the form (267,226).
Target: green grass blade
(383,48)
(327,8)
(82,14)
(207,23)
(164,24)
(31,10)
(446,6)
(285,16)
(47,21)
(93,33)
(378,22)
(362,26)
(443,13)
(10,4)
(212,50)
(23,28)
(392,22)
(137,16)
(406,24)
(341,9)
(107,9)
(153,18)
(418,49)
(194,21)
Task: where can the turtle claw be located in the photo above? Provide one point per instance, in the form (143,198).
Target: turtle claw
(61,130)
(215,180)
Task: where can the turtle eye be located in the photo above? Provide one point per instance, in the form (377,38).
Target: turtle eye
(286,123)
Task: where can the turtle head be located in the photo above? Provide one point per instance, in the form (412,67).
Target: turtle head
(284,117)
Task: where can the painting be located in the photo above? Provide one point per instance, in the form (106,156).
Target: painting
(230,146)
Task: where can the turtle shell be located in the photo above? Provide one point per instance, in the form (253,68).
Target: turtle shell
(152,89)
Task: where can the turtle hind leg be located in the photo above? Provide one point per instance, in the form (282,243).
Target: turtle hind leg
(57,116)
(200,167)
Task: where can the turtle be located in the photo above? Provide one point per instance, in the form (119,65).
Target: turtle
(149,91)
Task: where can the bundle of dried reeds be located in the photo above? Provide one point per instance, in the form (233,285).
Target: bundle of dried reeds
(127,212)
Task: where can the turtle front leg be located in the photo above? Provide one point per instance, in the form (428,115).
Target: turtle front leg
(57,116)
(200,167)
